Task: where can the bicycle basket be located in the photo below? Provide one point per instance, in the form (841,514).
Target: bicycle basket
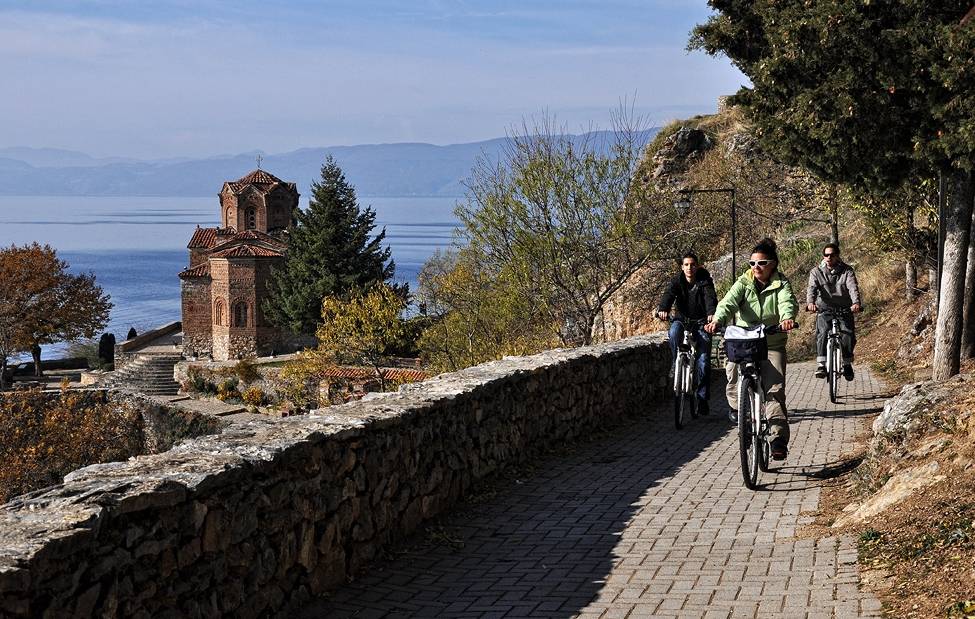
(742,345)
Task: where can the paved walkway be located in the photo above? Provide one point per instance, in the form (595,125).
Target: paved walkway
(652,522)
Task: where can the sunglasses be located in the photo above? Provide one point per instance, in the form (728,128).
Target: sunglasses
(759,263)
(828,255)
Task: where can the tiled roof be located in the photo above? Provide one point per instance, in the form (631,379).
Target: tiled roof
(245,250)
(358,373)
(203,237)
(259,176)
(202,270)
(257,235)
(262,180)
(209,237)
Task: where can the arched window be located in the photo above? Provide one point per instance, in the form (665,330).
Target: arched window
(251,222)
(240,314)
(218,313)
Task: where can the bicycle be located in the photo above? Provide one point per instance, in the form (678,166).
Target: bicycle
(685,372)
(834,348)
(748,348)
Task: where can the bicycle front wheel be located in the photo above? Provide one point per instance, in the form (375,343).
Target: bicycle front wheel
(681,399)
(747,445)
(762,447)
(834,371)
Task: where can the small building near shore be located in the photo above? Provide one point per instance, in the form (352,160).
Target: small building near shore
(226,282)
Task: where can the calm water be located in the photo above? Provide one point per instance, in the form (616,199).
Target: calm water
(136,246)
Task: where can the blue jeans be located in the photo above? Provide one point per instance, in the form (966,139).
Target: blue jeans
(703,360)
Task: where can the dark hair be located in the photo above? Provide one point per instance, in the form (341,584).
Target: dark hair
(834,246)
(767,247)
(688,254)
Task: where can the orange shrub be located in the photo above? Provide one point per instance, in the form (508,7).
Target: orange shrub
(46,437)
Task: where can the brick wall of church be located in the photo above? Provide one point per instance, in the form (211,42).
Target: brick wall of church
(280,204)
(197,334)
(220,273)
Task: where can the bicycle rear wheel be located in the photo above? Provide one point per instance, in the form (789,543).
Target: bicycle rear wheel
(747,445)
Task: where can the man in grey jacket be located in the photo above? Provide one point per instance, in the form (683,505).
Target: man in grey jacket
(833,285)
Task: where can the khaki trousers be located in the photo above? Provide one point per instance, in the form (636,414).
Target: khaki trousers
(773,380)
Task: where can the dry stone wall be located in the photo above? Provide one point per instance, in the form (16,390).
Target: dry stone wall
(259,518)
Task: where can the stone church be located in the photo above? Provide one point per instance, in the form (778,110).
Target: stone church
(226,281)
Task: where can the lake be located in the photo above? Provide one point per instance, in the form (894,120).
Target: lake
(137,246)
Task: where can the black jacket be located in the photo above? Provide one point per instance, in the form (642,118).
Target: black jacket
(694,300)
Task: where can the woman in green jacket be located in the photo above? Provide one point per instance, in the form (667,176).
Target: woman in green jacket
(762,295)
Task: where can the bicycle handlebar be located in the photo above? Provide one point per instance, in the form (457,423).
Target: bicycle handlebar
(769,330)
(839,311)
(696,322)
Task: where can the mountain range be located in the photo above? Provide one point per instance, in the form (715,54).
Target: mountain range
(402,169)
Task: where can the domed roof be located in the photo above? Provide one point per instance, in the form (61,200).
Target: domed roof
(260,179)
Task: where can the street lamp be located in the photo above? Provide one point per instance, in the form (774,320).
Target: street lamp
(683,207)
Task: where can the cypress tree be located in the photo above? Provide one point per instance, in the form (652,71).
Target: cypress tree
(331,252)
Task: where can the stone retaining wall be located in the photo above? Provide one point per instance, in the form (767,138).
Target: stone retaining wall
(267,514)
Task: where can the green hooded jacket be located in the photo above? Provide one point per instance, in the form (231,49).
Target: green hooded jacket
(751,308)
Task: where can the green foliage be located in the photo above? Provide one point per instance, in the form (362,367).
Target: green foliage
(331,252)
(865,93)
(476,314)
(562,221)
(200,382)
(254,396)
(227,390)
(362,329)
(903,220)
(246,371)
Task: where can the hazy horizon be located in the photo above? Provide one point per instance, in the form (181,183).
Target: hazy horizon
(172,79)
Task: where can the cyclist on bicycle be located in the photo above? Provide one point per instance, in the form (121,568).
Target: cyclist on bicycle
(833,285)
(763,296)
(692,291)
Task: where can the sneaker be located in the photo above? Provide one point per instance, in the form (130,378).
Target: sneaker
(848,372)
(780,449)
(733,415)
(820,371)
(703,408)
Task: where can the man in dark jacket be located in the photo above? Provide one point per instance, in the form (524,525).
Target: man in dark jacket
(692,295)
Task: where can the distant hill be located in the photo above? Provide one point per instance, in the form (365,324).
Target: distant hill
(405,169)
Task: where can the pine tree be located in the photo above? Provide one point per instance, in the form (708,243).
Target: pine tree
(331,252)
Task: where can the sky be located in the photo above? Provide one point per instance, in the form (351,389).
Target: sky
(197,78)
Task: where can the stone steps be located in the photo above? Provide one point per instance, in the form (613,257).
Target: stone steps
(149,374)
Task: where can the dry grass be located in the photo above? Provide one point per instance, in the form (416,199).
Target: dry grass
(919,555)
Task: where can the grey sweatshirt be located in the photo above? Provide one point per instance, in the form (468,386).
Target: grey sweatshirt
(833,288)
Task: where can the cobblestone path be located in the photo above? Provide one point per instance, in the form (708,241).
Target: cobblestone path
(650,522)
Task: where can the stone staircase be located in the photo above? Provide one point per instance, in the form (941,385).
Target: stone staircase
(151,374)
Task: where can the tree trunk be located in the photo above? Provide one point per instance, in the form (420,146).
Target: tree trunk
(910,278)
(968,324)
(35,352)
(957,226)
(933,285)
(834,223)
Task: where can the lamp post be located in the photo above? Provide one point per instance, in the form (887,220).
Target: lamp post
(683,206)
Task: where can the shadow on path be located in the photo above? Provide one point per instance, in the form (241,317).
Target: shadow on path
(648,519)
(544,547)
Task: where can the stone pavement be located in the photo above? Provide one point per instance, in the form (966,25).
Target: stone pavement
(649,522)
